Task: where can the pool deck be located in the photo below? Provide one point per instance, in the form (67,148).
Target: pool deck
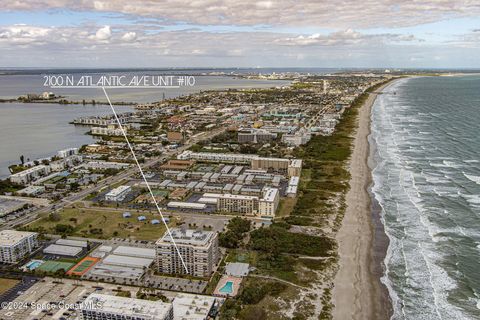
(236,285)
(28,266)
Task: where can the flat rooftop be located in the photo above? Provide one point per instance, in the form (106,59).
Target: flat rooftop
(62,250)
(107,271)
(12,237)
(187,236)
(127,307)
(73,243)
(296,163)
(118,190)
(294,181)
(135,252)
(29,171)
(186,205)
(192,306)
(270,194)
(127,261)
(238,197)
(10,205)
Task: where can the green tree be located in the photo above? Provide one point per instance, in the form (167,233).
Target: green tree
(54,216)
(64,229)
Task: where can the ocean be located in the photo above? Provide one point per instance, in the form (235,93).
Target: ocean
(426,179)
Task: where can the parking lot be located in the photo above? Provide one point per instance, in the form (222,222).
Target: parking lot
(175,284)
(52,298)
(17,290)
(61,297)
(214,221)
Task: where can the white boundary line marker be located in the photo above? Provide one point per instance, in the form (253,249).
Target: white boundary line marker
(114,87)
(145,179)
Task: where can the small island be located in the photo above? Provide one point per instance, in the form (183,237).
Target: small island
(50,97)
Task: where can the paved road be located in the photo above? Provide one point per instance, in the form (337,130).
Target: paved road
(314,119)
(182,214)
(106,182)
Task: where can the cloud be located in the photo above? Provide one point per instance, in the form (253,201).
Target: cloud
(466,40)
(23,34)
(129,36)
(103,34)
(82,45)
(345,37)
(330,14)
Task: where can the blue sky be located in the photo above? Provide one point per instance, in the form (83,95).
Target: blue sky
(208,33)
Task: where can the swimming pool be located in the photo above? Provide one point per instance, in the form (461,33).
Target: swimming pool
(227,288)
(32,265)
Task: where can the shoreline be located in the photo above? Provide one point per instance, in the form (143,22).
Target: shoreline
(358,292)
(380,240)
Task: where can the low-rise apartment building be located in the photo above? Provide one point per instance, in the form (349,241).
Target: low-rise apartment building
(103,165)
(296,139)
(285,166)
(29,175)
(266,206)
(247,205)
(67,152)
(111,130)
(101,306)
(118,194)
(66,162)
(217,157)
(252,135)
(270,164)
(295,168)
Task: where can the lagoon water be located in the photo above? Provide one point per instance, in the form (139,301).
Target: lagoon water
(40,130)
(13,86)
(427,182)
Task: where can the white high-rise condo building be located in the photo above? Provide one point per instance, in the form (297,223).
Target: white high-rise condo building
(15,245)
(199,250)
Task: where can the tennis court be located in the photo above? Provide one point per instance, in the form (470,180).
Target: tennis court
(83,266)
(53,266)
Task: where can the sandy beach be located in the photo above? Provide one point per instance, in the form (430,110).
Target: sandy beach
(358,292)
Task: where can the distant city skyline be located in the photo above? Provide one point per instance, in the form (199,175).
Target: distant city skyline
(208,33)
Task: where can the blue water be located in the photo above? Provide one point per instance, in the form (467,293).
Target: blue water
(227,288)
(33,265)
(13,86)
(427,182)
(37,130)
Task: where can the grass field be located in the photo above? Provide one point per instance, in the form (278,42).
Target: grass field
(285,207)
(102,223)
(6,284)
(245,256)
